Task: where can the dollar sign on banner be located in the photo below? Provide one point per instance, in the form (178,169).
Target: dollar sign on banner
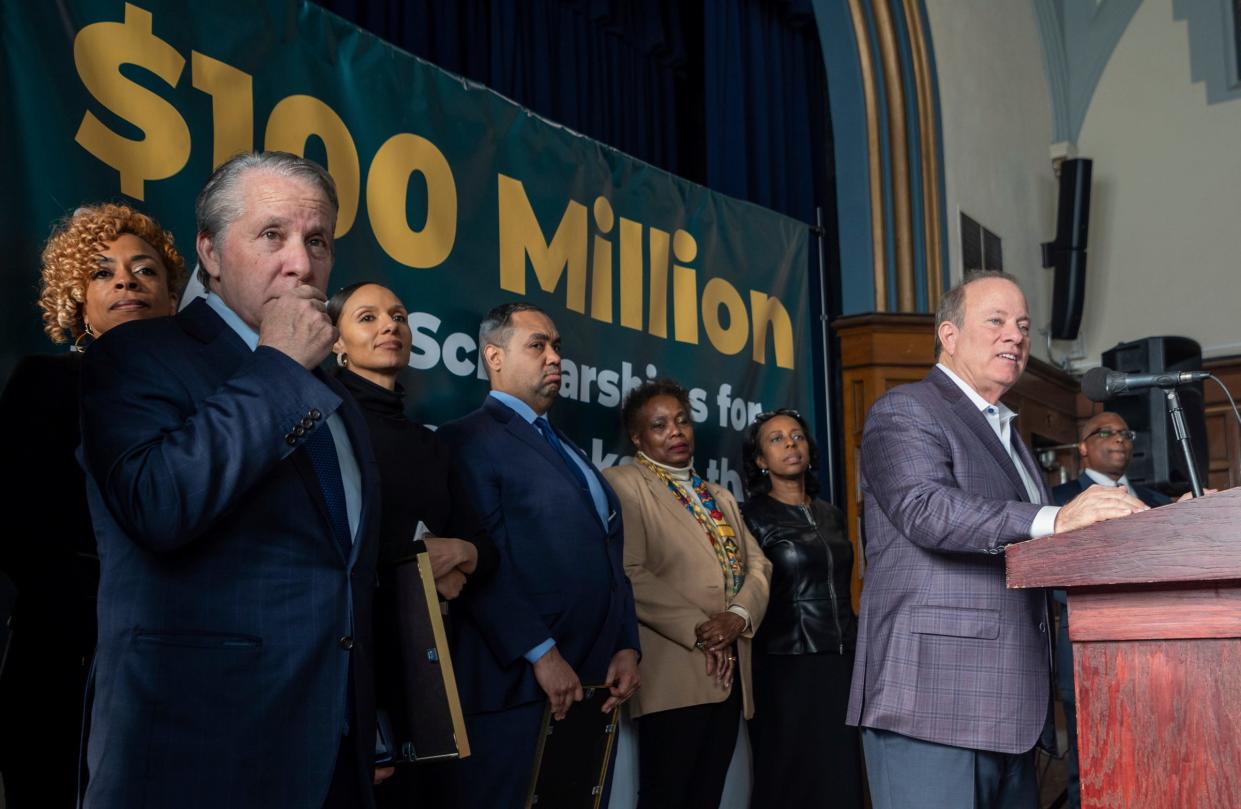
(99,50)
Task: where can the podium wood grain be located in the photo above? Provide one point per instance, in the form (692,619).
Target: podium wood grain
(1155,601)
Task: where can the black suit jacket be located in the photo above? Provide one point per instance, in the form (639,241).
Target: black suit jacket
(56,572)
(1065,492)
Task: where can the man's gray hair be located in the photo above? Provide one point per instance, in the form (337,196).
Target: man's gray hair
(952,304)
(219,203)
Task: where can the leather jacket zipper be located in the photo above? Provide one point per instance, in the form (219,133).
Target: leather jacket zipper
(831,575)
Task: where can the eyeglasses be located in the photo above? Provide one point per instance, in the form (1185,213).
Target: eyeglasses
(1106,432)
(784,411)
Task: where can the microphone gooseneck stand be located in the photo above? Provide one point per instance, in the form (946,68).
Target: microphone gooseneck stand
(1177,415)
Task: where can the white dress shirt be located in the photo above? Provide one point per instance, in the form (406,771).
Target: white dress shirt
(1000,417)
(1104,480)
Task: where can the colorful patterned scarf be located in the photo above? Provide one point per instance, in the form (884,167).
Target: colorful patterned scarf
(722,536)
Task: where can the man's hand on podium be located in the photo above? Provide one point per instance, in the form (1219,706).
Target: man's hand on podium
(1096,504)
(1190,495)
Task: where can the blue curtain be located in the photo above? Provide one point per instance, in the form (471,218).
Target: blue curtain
(731,94)
(614,71)
(769,140)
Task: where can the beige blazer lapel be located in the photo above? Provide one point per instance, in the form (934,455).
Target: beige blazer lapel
(667,500)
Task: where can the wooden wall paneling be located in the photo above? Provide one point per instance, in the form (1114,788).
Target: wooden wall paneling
(877,353)
(1223,432)
(1046,400)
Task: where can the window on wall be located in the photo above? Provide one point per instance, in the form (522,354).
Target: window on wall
(980,248)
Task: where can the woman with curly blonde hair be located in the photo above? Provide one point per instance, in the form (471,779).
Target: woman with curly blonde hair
(104,265)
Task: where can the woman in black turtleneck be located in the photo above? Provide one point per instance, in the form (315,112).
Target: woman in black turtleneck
(804,753)
(418,483)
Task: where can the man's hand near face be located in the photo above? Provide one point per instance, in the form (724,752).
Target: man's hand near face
(296,324)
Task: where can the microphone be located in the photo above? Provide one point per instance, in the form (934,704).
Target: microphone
(1101,384)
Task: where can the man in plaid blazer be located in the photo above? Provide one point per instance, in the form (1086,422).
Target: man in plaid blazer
(951,684)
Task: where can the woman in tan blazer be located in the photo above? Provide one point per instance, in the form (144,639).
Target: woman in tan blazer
(700,585)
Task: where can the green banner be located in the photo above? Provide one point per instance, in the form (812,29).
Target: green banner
(451,195)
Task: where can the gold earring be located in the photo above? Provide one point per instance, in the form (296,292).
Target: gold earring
(88,334)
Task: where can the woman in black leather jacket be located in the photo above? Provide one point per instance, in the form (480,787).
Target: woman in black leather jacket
(804,753)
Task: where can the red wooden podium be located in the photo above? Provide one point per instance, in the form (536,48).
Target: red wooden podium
(1155,601)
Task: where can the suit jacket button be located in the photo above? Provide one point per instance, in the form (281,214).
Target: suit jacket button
(346,642)
(315,414)
(308,422)
(299,431)
(290,439)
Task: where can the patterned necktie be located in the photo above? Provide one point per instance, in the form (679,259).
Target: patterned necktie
(323,458)
(549,435)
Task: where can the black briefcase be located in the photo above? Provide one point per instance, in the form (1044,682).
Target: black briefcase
(420,716)
(573,756)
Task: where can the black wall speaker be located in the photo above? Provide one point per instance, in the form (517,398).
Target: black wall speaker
(1158,460)
(1066,254)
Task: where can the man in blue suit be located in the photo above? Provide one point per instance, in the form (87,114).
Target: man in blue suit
(1106,446)
(231,488)
(559,612)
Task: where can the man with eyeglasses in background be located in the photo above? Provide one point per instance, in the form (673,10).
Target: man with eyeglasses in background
(1106,446)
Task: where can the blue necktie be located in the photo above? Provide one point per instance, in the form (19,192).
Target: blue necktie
(549,435)
(323,458)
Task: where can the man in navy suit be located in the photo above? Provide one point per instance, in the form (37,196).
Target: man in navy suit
(231,488)
(559,612)
(1106,446)
(951,683)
